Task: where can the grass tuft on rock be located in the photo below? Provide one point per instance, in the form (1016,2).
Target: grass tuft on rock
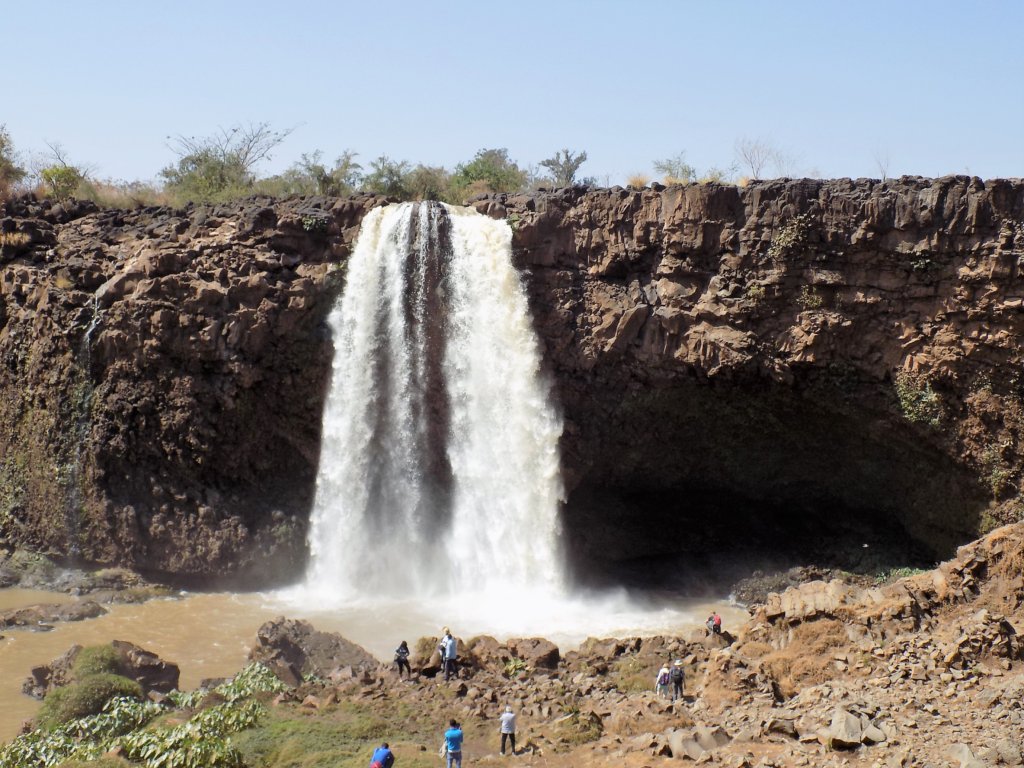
(96,660)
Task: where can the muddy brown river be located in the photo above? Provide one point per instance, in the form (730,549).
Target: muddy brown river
(209,635)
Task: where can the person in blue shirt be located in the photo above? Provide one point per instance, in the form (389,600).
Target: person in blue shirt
(382,757)
(453,743)
(449,648)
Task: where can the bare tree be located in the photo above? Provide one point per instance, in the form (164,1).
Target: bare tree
(754,154)
(882,163)
(244,146)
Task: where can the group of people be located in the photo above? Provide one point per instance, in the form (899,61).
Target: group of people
(670,676)
(451,746)
(448,649)
(670,681)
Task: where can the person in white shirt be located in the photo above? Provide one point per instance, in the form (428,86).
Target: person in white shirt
(508,729)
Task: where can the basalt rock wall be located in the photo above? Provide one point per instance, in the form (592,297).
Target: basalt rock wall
(810,349)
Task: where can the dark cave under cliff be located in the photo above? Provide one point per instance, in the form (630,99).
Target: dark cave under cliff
(693,485)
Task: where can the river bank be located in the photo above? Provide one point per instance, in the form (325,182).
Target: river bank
(928,670)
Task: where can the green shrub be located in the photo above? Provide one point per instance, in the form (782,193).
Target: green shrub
(809,298)
(84,697)
(997,473)
(10,172)
(62,180)
(755,294)
(918,401)
(96,660)
(514,666)
(254,679)
(793,237)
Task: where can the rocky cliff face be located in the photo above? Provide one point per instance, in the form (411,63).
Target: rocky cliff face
(739,368)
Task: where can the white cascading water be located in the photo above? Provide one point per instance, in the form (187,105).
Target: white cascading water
(439,466)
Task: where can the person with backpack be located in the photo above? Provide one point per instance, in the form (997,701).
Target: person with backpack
(402,659)
(383,757)
(661,681)
(678,678)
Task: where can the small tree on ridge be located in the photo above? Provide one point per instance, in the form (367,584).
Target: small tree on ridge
(563,166)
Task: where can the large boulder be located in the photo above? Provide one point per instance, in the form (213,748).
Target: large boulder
(293,648)
(694,742)
(846,730)
(537,652)
(145,667)
(133,662)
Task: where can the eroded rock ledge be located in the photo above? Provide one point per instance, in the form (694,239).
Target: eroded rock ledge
(779,357)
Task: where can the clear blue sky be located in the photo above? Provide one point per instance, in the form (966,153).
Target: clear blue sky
(937,87)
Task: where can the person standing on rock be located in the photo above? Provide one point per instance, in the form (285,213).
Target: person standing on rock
(678,678)
(442,647)
(453,744)
(449,653)
(402,659)
(382,757)
(661,681)
(508,729)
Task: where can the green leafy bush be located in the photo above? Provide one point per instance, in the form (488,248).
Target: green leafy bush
(918,401)
(10,172)
(62,180)
(255,678)
(514,666)
(809,298)
(491,170)
(84,697)
(201,742)
(793,237)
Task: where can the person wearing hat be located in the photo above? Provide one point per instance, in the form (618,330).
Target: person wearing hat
(678,678)
(508,729)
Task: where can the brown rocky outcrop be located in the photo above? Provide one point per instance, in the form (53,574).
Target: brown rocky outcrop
(791,356)
(50,613)
(133,662)
(293,649)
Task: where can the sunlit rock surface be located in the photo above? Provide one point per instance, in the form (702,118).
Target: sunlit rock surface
(740,364)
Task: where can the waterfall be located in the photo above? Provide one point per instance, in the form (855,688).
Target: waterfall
(80,405)
(439,466)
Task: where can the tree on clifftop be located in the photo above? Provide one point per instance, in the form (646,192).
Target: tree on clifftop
(387,177)
(675,170)
(10,172)
(491,170)
(220,166)
(62,179)
(563,167)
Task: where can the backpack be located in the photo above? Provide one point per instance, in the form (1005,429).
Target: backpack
(663,678)
(677,674)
